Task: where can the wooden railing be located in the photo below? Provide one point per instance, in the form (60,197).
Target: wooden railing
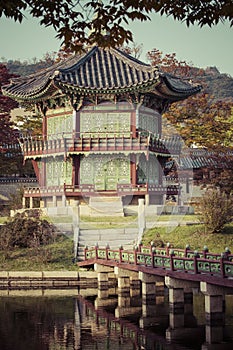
(121,189)
(179,260)
(96,142)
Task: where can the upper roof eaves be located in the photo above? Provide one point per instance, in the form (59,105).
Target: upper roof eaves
(100,70)
(107,69)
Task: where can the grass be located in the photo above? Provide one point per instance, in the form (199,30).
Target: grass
(59,255)
(55,256)
(194,235)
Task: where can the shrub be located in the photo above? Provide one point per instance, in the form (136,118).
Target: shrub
(26,230)
(216,209)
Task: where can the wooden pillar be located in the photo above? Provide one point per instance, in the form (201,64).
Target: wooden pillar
(76,170)
(133,172)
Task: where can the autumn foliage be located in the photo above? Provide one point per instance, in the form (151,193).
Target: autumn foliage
(7,131)
(217,210)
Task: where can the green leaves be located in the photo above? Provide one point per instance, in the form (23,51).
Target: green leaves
(85,22)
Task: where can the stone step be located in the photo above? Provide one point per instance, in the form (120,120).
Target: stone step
(106,206)
(105,198)
(126,237)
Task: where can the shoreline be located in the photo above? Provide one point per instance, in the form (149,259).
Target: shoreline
(12,280)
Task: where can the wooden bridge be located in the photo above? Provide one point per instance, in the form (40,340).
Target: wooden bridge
(184,264)
(182,272)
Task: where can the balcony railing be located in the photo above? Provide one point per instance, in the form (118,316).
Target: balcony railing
(89,189)
(81,143)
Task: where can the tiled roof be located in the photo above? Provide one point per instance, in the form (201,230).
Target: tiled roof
(99,71)
(206,159)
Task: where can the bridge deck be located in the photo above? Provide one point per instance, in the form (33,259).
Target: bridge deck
(181,264)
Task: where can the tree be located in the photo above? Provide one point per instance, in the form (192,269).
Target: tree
(11,158)
(203,122)
(200,120)
(80,22)
(217,210)
(7,130)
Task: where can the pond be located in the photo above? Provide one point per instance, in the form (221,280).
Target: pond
(72,319)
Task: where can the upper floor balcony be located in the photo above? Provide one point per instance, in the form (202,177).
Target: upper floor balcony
(96,142)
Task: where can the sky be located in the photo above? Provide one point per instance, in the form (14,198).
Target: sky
(202,47)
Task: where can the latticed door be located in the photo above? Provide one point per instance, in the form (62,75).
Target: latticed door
(111,174)
(99,165)
(105,172)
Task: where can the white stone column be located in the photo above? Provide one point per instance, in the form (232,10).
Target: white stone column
(54,201)
(214,312)
(141,219)
(63,200)
(75,218)
(24,203)
(31,202)
(102,277)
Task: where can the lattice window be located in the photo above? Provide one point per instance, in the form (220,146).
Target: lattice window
(112,123)
(60,125)
(104,123)
(111,167)
(153,170)
(67,171)
(148,123)
(142,170)
(124,122)
(86,170)
(49,173)
(86,123)
(124,170)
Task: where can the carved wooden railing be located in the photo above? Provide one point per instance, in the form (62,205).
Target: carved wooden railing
(122,189)
(96,142)
(179,260)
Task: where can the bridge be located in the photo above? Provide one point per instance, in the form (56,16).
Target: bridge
(182,271)
(216,269)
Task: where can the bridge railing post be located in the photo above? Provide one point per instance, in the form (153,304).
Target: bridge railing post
(222,265)
(205,251)
(96,250)
(172,254)
(168,248)
(139,246)
(135,249)
(195,257)
(152,256)
(106,250)
(187,249)
(120,253)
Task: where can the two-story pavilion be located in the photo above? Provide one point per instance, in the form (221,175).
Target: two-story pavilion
(101,127)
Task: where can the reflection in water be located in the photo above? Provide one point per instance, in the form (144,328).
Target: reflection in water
(56,322)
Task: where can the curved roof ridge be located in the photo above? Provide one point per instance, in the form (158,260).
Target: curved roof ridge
(130,59)
(86,56)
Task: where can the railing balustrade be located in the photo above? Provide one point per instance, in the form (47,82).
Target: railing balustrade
(81,142)
(180,260)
